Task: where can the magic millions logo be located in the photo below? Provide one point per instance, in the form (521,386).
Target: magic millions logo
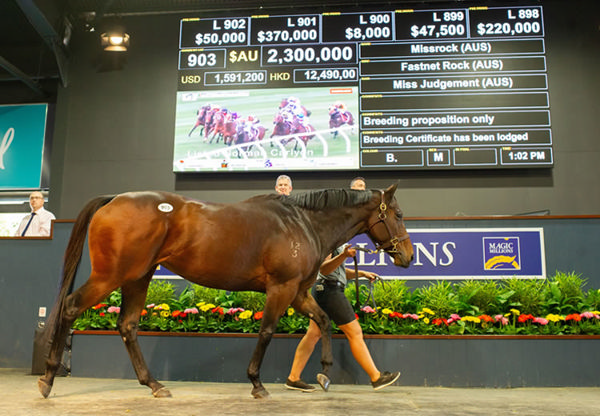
(501,253)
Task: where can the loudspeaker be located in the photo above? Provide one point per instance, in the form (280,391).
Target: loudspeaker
(40,352)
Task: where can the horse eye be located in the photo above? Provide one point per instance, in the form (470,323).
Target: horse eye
(398,215)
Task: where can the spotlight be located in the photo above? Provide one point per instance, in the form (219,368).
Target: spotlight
(115,42)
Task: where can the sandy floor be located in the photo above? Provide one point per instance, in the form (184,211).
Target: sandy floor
(107,397)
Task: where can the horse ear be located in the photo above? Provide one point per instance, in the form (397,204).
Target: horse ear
(389,193)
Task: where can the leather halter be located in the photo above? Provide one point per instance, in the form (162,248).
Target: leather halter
(390,246)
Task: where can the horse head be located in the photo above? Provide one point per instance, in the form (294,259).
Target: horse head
(386,229)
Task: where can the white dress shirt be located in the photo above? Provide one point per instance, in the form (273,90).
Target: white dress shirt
(40,225)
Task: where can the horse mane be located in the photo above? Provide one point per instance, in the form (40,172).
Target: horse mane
(328,198)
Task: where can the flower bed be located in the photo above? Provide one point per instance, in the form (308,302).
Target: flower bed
(558,306)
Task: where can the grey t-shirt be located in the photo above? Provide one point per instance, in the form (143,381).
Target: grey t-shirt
(339,274)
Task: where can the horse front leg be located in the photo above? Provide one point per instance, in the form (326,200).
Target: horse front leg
(275,305)
(133,298)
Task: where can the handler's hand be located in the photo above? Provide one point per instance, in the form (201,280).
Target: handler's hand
(369,275)
(349,251)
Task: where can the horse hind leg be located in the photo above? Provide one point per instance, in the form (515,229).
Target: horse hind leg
(132,303)
(74,305)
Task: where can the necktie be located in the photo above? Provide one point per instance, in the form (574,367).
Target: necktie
(28,224)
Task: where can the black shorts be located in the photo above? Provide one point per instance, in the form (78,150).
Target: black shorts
(333,301)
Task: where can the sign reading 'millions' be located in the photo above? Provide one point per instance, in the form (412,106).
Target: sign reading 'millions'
(470,253)
(457,253)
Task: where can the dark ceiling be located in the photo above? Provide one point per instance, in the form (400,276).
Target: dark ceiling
(34,34)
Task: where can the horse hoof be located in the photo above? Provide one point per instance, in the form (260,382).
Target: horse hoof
(323,381)
(260,393)
(162,393)
(44,388)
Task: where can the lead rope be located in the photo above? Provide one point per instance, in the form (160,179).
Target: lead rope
(371,295)
(357,303)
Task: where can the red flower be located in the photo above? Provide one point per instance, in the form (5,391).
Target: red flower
(175,314)
(99,306)
(144,312)
(573,317)
(182,315)
(356,316)
(219,310)
(395,315)
(258,315)
(102,314)
(439,321)
(524,317)
(487,318)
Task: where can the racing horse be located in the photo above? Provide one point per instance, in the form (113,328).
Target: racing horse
(200,118)
(338,118)
(268,243)
(293,104)
(248,132)
(283,127)
(223,126)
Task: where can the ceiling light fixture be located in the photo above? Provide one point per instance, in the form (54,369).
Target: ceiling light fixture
(115,42)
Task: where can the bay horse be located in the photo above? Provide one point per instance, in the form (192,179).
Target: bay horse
(338,118)
(248,132)
(222,126)
(269,243)
(201,115)
(209,121)
(283,127)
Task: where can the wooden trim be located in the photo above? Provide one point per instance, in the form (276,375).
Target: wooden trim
(480,217)
(366,336)
(507,217)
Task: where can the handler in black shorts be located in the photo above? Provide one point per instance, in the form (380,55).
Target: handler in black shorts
(329,294)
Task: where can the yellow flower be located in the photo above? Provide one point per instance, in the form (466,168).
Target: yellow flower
(386,311)
(165,314)
(246,314)
(471,319)
(429,311)
(207,307)
(554,318)
(515,311)
(200,304)
(426,320)
(290,311)
(164,306)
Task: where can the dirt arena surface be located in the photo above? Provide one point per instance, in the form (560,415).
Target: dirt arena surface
(96,396)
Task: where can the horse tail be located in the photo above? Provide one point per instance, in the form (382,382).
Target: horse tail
(72,259)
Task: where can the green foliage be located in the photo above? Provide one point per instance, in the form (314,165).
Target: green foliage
(203,294)
(253,301)
(160,291)
(558,306)
(114,298)
(481,297)
(394,295)
(439,297)
(526,295)
(564,293)
(592,300)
